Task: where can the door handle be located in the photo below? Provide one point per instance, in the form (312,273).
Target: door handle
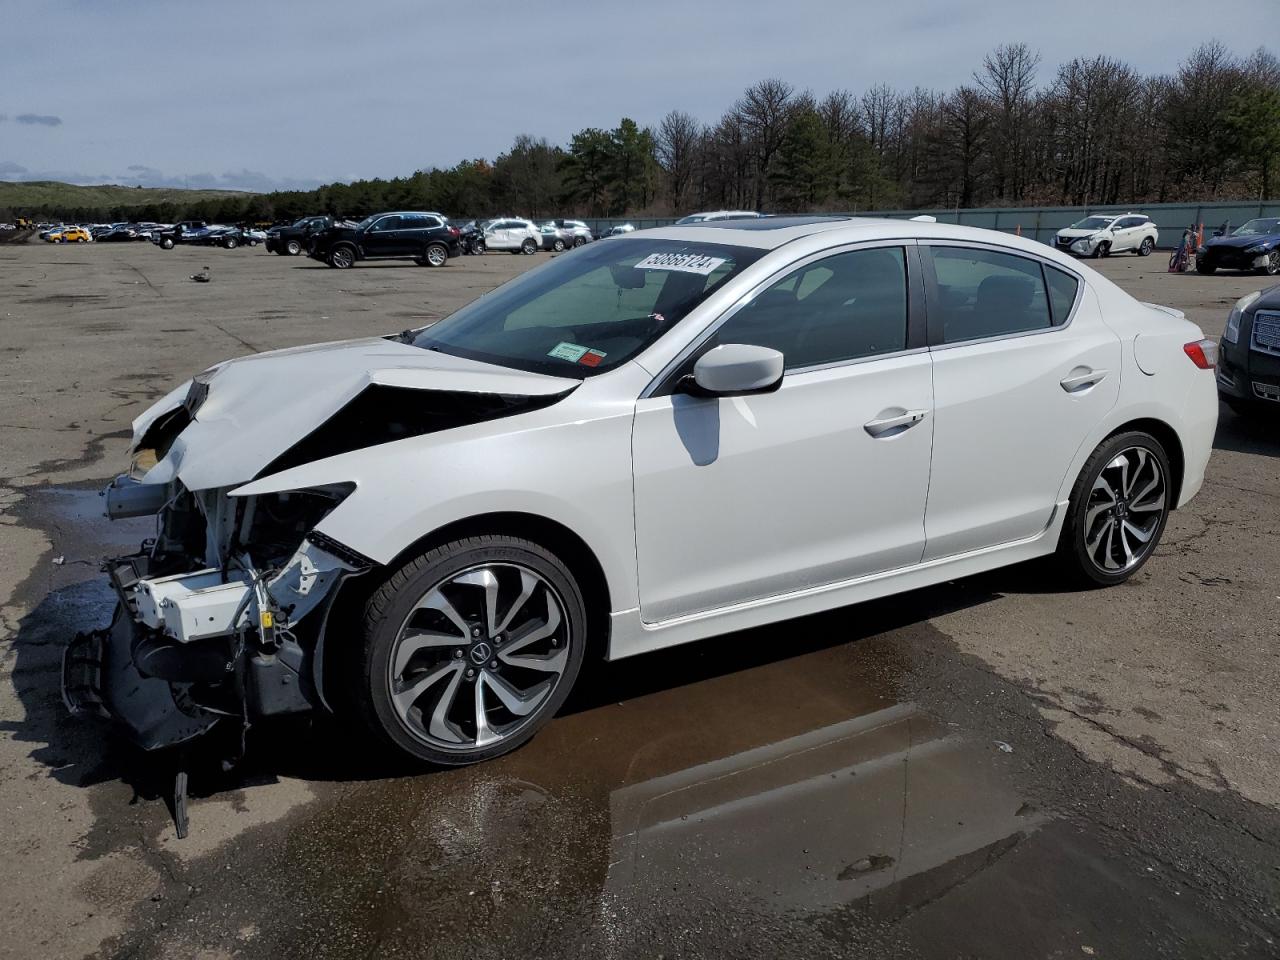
(1081,379)
(892,426)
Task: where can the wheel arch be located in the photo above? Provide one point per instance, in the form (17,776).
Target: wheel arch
(1171,442)
(347,605)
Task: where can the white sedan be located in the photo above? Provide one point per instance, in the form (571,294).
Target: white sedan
(682,432)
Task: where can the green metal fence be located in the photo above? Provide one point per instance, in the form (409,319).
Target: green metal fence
(1041,223)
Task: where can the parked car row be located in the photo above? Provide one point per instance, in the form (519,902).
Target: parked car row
(201,234)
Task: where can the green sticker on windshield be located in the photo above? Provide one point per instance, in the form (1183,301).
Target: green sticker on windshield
(567,351)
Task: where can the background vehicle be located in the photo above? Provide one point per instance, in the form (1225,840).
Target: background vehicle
(718,215)
(184,231)
(834,427)
(1249,355)
(513,235)
(426,238)
(1103,234)
(1254,245)
(69,235)
(118,233)
(291,240)
(560,235)
(620,229)
(470,237)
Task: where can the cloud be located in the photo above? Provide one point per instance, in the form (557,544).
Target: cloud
(137,174)
(41,119)
(8,167)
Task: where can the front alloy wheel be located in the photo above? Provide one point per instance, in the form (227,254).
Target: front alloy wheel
(471,648)
(341,257)
(1272,266)
(1118,509)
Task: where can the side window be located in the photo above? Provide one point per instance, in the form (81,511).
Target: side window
(843,307)
(386,224)
(1062,293)
(983,293)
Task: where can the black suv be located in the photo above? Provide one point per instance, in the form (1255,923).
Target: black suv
(291,240)
(1249,354)
(425,238)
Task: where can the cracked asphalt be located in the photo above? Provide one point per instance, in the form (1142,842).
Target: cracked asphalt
(995,767)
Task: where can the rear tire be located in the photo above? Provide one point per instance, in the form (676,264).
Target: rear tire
(1147,246)
(578,241)
(341,258)
(231,243)
(436,255)
(166,243)
(452,703)
(529,246)
(293,248)
(558,246)
(1118,510)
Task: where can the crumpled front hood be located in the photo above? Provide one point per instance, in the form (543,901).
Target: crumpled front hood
(1243,242)
(259,406)
(1076,234)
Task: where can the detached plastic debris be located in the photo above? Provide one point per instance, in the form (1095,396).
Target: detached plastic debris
(59,560)
(1004,747)
(202,276)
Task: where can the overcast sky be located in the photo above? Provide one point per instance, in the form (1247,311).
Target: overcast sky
(259,95)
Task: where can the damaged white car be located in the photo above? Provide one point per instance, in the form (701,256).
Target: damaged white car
(682,432)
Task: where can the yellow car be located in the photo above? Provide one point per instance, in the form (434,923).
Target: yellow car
(69,235)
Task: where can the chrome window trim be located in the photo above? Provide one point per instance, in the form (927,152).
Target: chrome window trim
(695,344)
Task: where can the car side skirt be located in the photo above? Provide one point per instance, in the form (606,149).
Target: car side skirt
(630,635)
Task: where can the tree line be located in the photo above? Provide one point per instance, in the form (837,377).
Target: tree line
(1092,132)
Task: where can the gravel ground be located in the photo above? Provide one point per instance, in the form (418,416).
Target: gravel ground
(994,767)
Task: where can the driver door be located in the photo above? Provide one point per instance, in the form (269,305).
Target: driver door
(384,238)
(744,498)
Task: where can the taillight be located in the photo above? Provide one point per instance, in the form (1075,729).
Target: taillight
(1203,353)
(454,231)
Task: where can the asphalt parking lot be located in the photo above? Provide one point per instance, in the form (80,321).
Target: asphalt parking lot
(994,767)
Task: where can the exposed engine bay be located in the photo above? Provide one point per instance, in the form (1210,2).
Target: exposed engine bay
(221,614)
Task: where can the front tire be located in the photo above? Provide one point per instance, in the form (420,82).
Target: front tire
(293,248)
(231,243)
(469,649)
(1205,268)
(1272,266)
(1118,510)
(1146,247)
(1101,250)
(558,246)
(529,246)
(166,243)
(341,258)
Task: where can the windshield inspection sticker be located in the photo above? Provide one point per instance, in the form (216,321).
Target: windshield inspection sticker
(681,262)
(592,358)
(567,351)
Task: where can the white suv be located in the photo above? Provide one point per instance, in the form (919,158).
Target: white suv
(1101,234)
(515,235)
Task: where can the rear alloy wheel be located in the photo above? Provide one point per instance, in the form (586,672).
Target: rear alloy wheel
(293,248)
(1118,510)
(231,243)
(341,257)
(435,256)
(470,648)
(1147,246)
(578,241)
(1272,266)
(528,246)
(166,243)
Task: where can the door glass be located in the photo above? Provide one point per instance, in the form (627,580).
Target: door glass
(982,293)
(386,224)
(843,307)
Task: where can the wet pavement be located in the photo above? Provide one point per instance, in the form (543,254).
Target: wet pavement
(964,771)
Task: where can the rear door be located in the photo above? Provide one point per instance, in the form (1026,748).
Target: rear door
(1023,371)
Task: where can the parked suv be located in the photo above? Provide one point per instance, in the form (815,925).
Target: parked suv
(512,234)
(291,239)
(1249,354)
(425,238)
(1102,234)
(558,235)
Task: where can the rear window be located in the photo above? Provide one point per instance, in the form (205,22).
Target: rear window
(1062,293)
(985,293)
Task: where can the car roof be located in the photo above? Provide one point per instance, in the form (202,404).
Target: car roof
(769,233)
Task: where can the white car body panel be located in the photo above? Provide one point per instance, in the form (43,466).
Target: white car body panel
(713,515)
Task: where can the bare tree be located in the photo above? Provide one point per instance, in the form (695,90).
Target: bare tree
(677,141)
(763,112)
(1007,81)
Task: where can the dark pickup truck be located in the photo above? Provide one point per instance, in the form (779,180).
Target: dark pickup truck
(425,238)
(291,239)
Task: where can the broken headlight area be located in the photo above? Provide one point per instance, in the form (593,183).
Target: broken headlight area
(219,615)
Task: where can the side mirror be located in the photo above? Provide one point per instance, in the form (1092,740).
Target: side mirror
(735,370)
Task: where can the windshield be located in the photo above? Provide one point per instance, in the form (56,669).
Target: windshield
(1092,223)
(364,224)
(1258,228)
(692,218)
(591,310)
